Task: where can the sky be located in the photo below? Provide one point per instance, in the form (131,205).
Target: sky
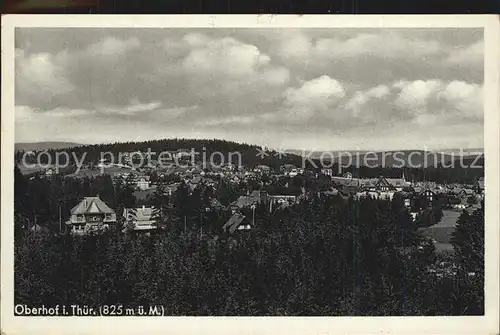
(315,89)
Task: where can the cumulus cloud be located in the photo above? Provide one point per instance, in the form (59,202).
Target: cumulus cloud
(227,57)
(416,94)
(384,45)
(112,46)
(468,55)
(230,64)
(41,75)
(267,85)
(464,97)
(318,92)
(314,95)
(388,45)
(362,98)
(436,101)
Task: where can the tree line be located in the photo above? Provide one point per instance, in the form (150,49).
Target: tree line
(323,256)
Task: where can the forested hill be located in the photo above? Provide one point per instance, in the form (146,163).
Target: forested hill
(250,153)
(208,147)
(44,145)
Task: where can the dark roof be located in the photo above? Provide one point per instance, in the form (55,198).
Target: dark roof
(216,203)
(246,201)
(384,182)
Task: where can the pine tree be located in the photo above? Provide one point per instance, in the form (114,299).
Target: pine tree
(162,208)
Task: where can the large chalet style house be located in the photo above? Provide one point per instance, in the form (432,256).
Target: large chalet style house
(379,188)
(139,219)
(91,215)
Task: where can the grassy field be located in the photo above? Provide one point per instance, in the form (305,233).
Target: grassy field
(442,231)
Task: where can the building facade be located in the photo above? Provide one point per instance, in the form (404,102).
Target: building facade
(91,215)
(139,219)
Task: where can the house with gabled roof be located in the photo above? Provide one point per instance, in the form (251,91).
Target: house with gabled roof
(216,205)
(237,223)
(91,215)
(383,185)
(428,194)
(139,219)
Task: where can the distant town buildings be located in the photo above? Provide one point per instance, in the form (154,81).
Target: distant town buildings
(250,187)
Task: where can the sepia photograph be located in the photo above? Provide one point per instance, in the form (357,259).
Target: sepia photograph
(219,169)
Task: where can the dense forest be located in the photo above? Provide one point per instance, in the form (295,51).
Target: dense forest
(323,256)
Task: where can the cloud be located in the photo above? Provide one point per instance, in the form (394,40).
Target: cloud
(386,45)
(375,56)
(314,95)
(319,92)
(111,46)
(361,98)
(134,107)
(230,120)
(471,55)
(51,80)
(275,85)
(465,98)
(435,101)
(416,94)
(234,66)
(295,45)
(98,126)
(41,76)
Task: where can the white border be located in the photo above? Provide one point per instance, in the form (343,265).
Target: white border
(488,324)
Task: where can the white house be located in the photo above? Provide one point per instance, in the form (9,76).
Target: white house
(139,219)
(143,183)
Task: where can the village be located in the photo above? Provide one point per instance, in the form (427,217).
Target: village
(251,170)
(260,185)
